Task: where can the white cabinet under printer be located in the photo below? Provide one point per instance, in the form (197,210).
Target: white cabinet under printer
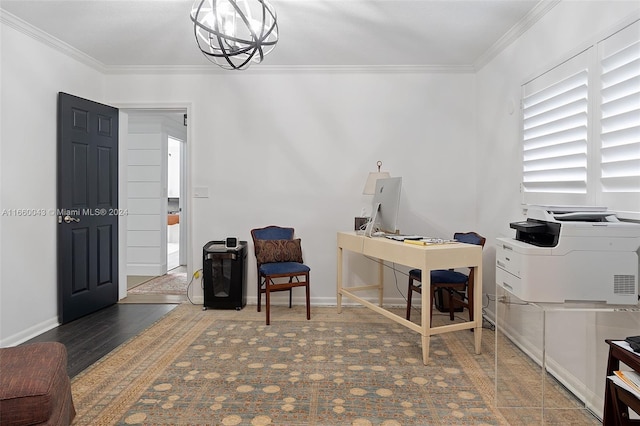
(565,256)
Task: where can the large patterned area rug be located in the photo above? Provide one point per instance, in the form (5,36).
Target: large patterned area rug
(215,367)
(173,282)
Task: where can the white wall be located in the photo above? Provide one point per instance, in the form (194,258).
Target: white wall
(147,201)
(568,26)
(295,149)
(32,76)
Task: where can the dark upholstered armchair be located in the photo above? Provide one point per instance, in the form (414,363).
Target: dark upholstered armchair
(456,285)
(280,264)
(34,385)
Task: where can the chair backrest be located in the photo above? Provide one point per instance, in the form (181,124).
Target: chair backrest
(470,238)
(272,233)
(274,244)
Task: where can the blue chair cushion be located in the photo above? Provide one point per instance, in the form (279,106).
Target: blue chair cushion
(283,268)
(442,276)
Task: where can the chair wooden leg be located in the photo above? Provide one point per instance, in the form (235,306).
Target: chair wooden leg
(432,294)
(259,292)
(470,302)
(268,301)
(409,293)
(290,292)
(308,300)
(470,291)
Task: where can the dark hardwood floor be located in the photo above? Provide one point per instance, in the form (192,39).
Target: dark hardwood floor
(89,338)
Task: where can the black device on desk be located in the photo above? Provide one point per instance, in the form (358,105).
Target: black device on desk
(634,342)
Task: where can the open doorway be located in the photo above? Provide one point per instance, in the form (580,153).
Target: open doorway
(174,201)
(156,193)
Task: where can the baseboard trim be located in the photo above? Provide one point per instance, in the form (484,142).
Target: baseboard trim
(146,270)
(30,333)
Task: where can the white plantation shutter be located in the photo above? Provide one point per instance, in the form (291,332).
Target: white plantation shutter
(620,118)
(581,128)
(555,130)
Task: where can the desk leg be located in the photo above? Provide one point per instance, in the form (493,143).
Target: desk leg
(339,281)
(425,314)
(380,282)
(611,409)
(478,339)
(477,306)
(425,349)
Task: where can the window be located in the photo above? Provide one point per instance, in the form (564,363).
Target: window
(555,129)
(581,127)
(619,132)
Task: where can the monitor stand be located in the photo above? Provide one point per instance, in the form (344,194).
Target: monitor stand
(369,229)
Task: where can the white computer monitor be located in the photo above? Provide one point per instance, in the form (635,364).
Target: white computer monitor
(385,206)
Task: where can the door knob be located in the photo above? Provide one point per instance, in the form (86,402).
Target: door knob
(69,219)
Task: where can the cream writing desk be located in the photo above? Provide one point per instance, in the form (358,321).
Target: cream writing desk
(426,258)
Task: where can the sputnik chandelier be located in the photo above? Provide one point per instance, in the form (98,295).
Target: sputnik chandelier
(234,33)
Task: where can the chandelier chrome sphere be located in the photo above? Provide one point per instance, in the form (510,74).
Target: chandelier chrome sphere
(234,33)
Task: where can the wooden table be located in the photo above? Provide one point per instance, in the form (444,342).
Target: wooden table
(618,401)
(425,258)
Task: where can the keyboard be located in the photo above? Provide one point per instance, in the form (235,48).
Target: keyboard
(403,237)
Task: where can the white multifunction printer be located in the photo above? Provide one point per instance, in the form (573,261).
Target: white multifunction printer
(564,254)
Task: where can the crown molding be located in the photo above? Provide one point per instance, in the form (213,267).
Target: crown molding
(56,44)
(516,31)
(534,15)
(296,69)
(68,50)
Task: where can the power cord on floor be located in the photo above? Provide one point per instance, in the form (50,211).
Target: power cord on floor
(197,274)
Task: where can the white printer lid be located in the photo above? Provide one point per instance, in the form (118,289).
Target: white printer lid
(587,216)
(571,213)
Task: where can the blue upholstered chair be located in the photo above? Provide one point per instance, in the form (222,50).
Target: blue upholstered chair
(456,285)
(280,264)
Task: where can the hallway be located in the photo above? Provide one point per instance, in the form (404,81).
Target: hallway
(169,288)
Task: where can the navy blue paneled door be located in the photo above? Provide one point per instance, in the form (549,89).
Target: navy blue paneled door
(87,211)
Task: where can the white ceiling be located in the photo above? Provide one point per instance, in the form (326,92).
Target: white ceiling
(446,34)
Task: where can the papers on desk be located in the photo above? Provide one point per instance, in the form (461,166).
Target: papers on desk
(627,380)
(418,239)
(624,345)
